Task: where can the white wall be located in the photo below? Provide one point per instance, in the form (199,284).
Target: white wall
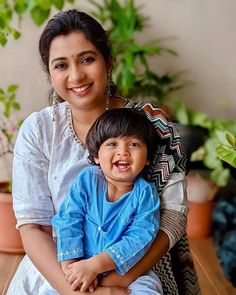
(204,35)
(205,38)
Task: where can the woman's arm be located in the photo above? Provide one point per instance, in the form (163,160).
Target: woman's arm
(158,248)
(41,249)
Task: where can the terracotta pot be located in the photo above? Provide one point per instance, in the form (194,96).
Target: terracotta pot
(10,240)
(201,192)
(199,221)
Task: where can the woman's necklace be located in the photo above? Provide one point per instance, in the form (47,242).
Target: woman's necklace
(75,131)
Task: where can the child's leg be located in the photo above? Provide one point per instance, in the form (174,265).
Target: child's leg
(148,284)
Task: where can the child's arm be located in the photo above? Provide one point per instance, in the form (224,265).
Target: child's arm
(68,224)
(82,273)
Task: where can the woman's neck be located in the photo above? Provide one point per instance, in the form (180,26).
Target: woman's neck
(82,119)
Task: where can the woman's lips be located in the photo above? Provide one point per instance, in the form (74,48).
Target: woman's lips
(81,91)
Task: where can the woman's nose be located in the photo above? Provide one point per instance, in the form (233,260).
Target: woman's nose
(76,74)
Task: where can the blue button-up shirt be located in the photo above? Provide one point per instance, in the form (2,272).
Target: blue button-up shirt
(87,223)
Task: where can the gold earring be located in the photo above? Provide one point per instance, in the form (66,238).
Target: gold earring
(108,90)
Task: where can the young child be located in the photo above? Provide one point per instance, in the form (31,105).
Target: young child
(111,214)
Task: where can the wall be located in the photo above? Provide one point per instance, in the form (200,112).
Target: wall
(203,33)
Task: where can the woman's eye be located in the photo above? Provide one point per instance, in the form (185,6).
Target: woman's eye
(60,66)
(87,60)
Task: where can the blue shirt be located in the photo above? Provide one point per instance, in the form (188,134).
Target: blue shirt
(88,224)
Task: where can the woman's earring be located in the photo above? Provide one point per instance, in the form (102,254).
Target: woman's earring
(54,104)
(108,89)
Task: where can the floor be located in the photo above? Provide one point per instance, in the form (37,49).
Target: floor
(211,278)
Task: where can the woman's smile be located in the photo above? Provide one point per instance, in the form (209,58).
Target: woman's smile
(81,91)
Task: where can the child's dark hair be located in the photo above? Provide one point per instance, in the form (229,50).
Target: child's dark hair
(121,122)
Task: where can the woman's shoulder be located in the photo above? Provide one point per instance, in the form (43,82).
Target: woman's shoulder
(152,110)
(43,118)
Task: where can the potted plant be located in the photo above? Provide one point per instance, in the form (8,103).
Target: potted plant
(210,152)
(132,72)
(10,240)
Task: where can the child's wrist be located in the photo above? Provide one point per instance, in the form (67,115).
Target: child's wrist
(103,262)
(96,263)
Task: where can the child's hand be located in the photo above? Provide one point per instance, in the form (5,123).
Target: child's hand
(93,286)
(65,263)
(81,274)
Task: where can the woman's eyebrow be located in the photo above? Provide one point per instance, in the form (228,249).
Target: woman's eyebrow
(79,55)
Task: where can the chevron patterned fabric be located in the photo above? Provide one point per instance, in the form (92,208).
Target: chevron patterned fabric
(175,270)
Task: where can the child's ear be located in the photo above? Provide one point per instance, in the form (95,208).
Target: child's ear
(96,160)
(147,162)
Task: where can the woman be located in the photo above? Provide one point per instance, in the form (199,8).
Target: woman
(50,152)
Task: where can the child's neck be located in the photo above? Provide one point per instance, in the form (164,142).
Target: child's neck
(115,190)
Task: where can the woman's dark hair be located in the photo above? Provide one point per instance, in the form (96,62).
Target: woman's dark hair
(66,22)
(121,122)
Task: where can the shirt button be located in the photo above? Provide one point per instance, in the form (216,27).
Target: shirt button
(99,228)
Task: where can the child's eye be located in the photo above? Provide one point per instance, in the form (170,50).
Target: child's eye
(134,144)
(87,60)
(111,144)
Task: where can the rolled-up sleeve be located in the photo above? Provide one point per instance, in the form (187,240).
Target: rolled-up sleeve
(31,196)
(174,207)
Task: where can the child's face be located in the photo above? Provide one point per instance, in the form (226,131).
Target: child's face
(122,158)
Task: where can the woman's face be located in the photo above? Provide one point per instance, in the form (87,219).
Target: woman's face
(78,71)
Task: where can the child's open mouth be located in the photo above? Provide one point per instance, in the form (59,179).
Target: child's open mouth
(122,165)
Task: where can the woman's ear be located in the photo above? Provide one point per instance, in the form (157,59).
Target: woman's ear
(147,162)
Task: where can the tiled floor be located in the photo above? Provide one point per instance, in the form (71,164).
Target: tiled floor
(211,278)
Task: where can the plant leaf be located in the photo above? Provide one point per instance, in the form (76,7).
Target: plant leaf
(39,15)
(227,154)
(12,88)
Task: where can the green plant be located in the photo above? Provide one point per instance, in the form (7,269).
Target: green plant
(132,73)
(211,153)
(39,11)
(9,124)
(227,152)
